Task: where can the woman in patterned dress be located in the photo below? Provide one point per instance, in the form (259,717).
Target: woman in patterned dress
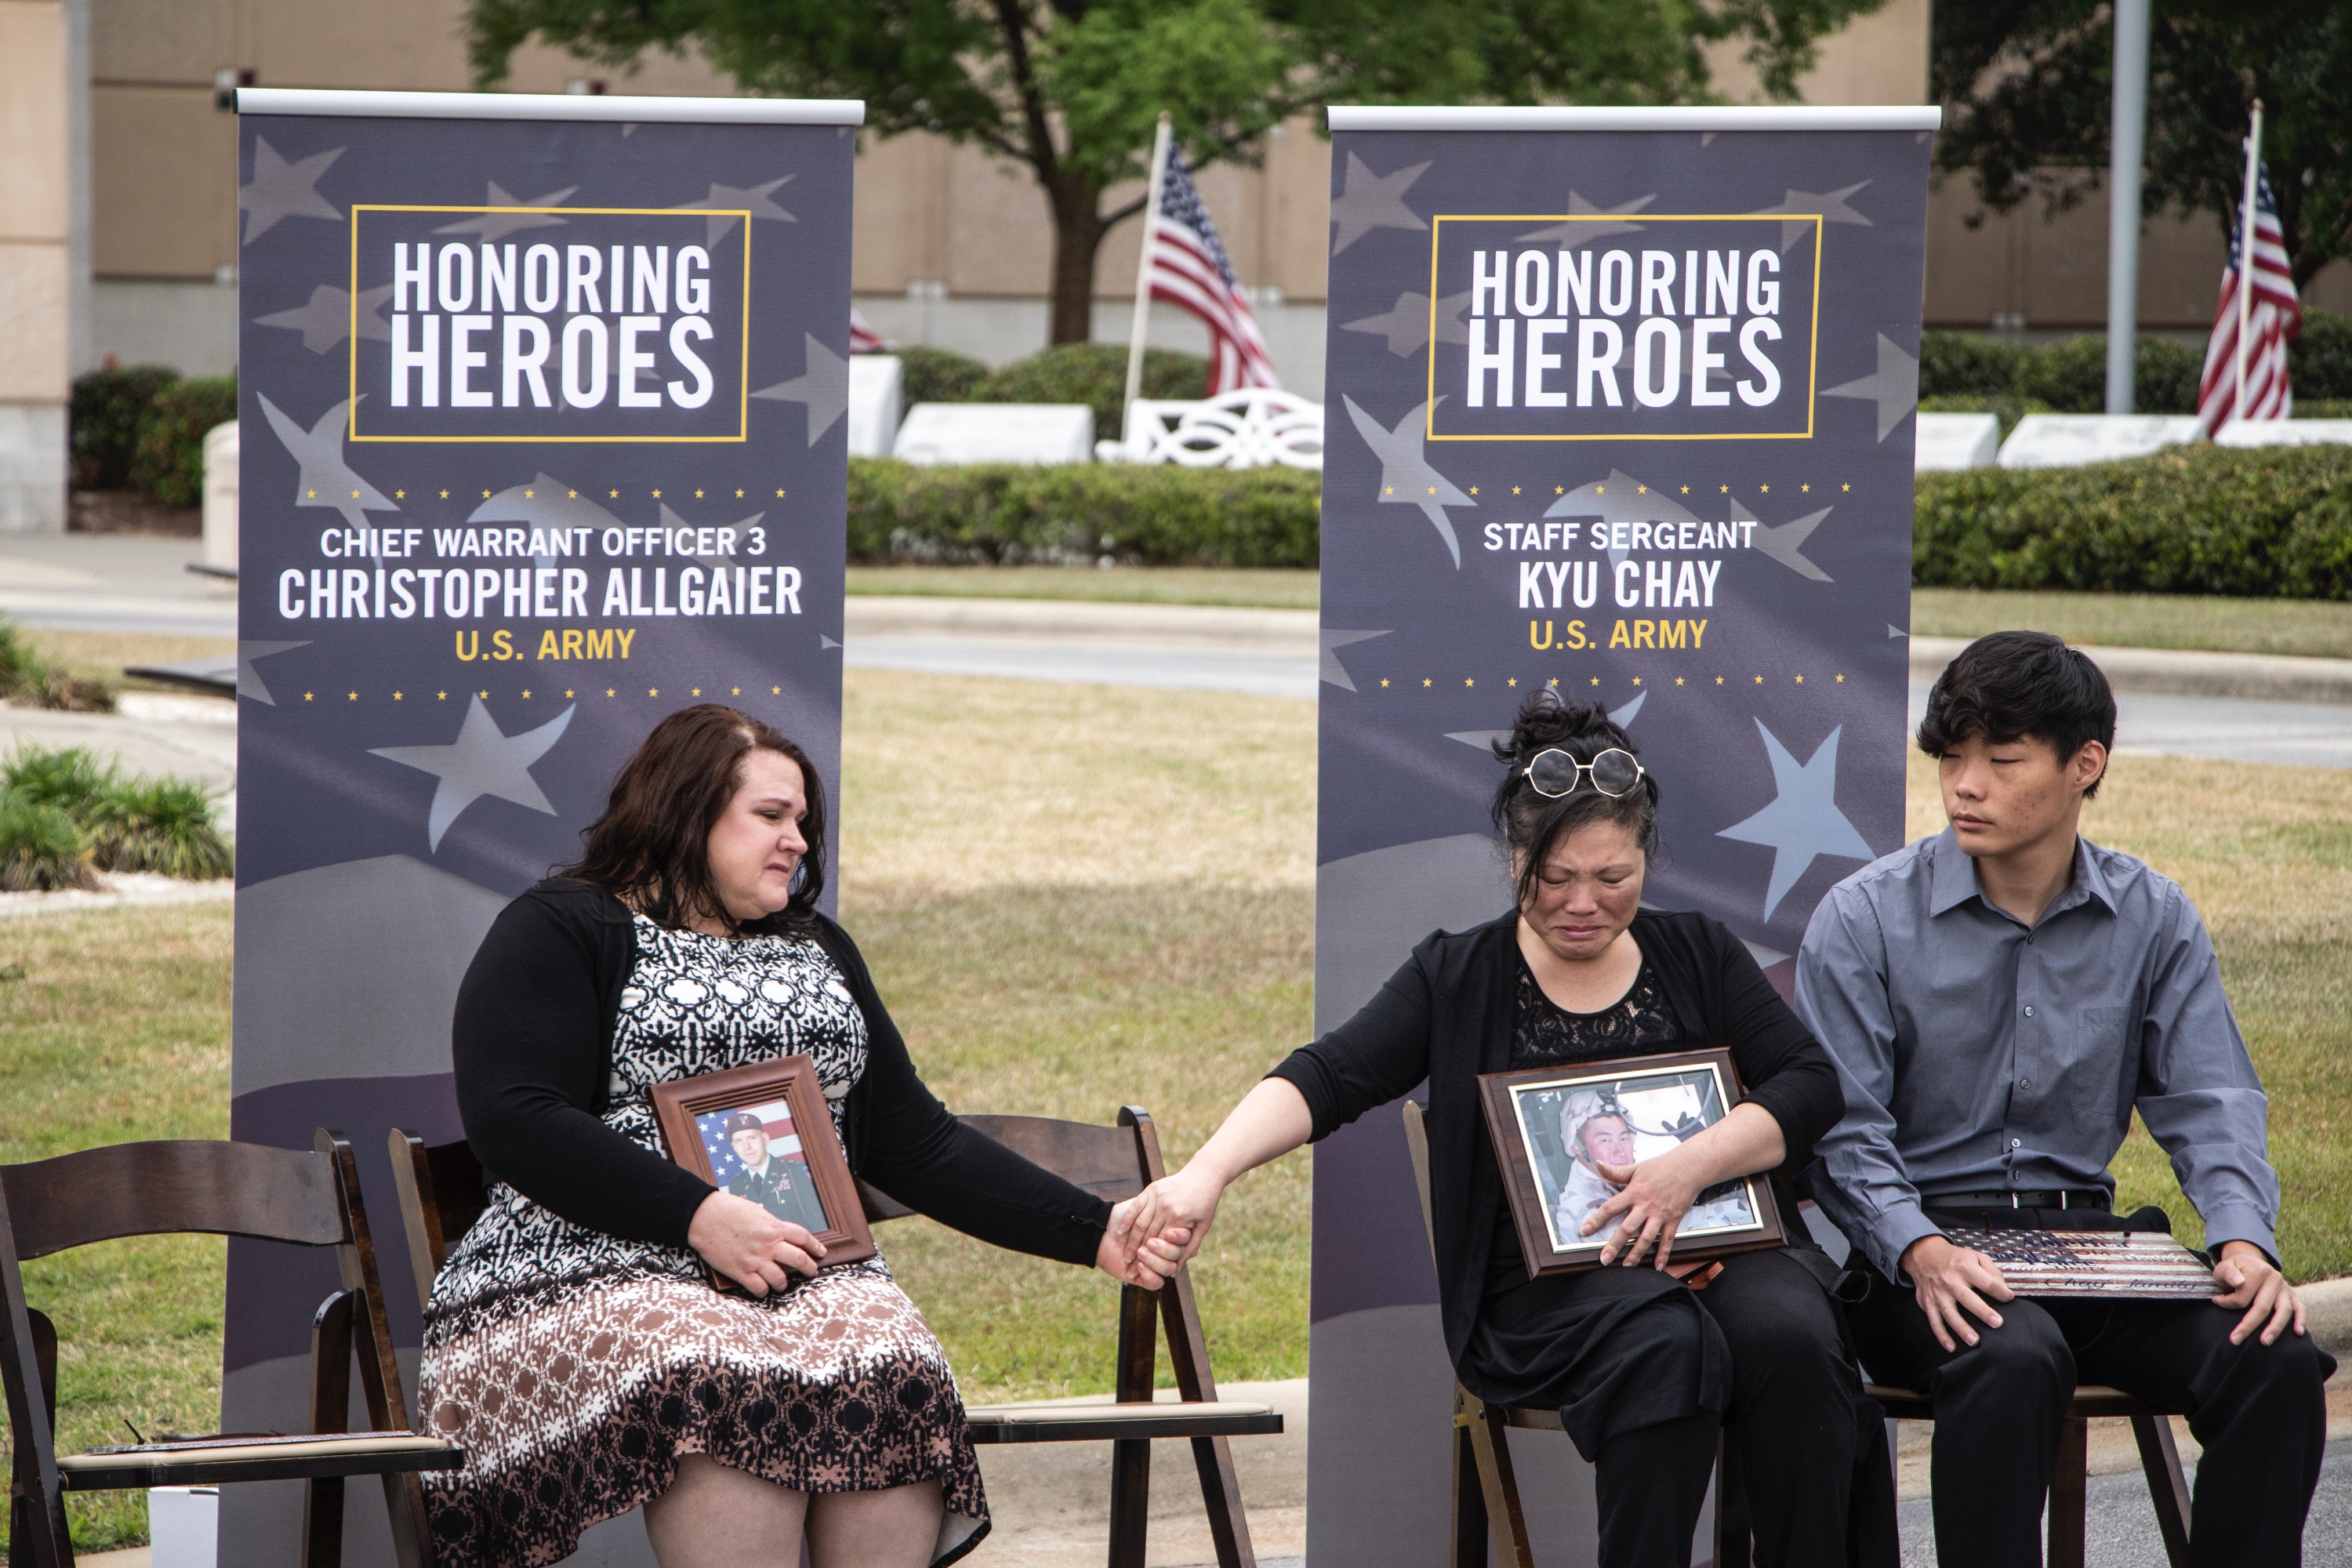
(574,1345)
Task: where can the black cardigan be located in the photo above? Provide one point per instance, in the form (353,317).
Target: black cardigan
(532,1043)
(1447,1015)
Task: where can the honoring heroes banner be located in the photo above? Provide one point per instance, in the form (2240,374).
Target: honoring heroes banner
(1621,405)
(544,402)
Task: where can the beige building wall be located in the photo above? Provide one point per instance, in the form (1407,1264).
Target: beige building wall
(36,307)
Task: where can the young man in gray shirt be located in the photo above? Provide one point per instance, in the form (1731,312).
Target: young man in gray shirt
(1998,998)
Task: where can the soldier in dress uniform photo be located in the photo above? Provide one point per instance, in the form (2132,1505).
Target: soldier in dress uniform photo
(769,1179)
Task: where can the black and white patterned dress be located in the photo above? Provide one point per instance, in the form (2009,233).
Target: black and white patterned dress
(575,1367)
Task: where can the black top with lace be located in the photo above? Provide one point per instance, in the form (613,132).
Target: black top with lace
(1544,1034)
(1640,1023)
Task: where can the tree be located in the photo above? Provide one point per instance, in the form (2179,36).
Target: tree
(1071,87)
(2028,87)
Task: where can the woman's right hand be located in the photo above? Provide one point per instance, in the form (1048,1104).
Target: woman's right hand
(1184,1202)
(750,1245)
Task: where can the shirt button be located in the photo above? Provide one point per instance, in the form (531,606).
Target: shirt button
(2025,1083)
(2029,1012)
(2016,1143)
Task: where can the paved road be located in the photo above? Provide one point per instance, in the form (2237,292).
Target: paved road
(2122,1526)
(117,582)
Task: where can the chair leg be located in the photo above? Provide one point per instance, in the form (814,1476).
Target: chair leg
(1731,1522)
(1490,1444)
(322,1522)
(2070,1495)
(1469,1505)
(1220,1493)
(1130,1501)
(2168,1488)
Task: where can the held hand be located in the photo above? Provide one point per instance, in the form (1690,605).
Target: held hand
(1950,1282)
(1657,1193)
(2253,1283)
(1150,1264)
(751,1245)
(1185,1202)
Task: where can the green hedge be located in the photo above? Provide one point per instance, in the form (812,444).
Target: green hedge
(107,407)
(2068,377)
(2196,519)
(1009,514)
(170,461)
(1091,373)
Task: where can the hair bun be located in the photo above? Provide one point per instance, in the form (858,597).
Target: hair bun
(1547,719)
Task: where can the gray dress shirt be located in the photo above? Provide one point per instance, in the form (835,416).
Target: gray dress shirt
(1981,1055)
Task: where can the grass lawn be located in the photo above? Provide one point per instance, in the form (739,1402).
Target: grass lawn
(1276,588)
(102,656)
(1115,905)
(2317,628)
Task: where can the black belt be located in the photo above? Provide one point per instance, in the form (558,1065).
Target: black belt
(2047,1199)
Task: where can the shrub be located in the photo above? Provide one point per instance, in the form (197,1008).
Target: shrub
(1095,375)
(25,675)
(158,825)
(2319,361)
(1010,514)
(2193,520)
(2068,377)
(40,848)
(107,407)
(939,375)
(70,778)
(2009,407)
(169,462)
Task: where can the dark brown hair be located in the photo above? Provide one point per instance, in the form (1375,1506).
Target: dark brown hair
(651,849)
(1530,822)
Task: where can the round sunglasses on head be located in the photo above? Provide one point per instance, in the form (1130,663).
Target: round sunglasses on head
(1554,773)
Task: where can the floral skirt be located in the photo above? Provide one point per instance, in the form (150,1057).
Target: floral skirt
(575,1399)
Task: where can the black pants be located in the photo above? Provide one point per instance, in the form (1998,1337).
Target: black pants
(1812,1449)
(2259,1410)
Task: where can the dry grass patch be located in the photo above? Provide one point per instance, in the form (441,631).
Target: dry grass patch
(103,656)
(1260,587)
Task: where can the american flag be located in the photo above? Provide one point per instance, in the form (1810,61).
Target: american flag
(862,337)
(1189,269)
(2273,320)
(783,1143)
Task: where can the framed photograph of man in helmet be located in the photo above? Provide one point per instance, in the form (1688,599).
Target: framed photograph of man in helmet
(763,1132)
(1560,1131)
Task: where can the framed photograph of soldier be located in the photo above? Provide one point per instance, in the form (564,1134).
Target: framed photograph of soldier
(763,1132)
(1555,1128)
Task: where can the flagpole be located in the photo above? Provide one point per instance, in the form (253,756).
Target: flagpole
(2246,255)
(1160,141)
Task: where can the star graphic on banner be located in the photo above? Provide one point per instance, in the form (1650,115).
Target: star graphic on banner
(248,679)
(538,505)
(1403,466)
(1803,822)
(494,226)
(1622,717)
(482,761)
(1368,200)
(823,389)
(672,521)
(1406,324)
(1333,670)
(1783,544)
(282,190)
(1893,386)
(1621,497)
(1571,235)
(326,320)
(1829,205)
(320,450)
(753,197)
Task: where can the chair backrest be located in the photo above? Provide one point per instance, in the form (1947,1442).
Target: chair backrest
(1416,1142)
(443,1191)
(174,1186)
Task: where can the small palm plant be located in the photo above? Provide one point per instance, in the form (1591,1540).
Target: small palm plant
(41,849)
(158,825)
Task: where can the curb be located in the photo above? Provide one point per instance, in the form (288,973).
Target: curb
(2175,672)
(2327,1307)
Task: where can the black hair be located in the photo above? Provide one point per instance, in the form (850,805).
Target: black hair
(1532,822)
(2016,686)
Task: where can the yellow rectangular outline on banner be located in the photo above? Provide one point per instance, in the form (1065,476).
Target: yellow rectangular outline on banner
(1814,349)
(743,398)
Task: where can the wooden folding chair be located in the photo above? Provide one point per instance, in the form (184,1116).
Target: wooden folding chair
(305,1197)
(442,1192)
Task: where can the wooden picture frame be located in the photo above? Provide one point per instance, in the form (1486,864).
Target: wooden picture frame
(1655,1101)
(809,1182)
